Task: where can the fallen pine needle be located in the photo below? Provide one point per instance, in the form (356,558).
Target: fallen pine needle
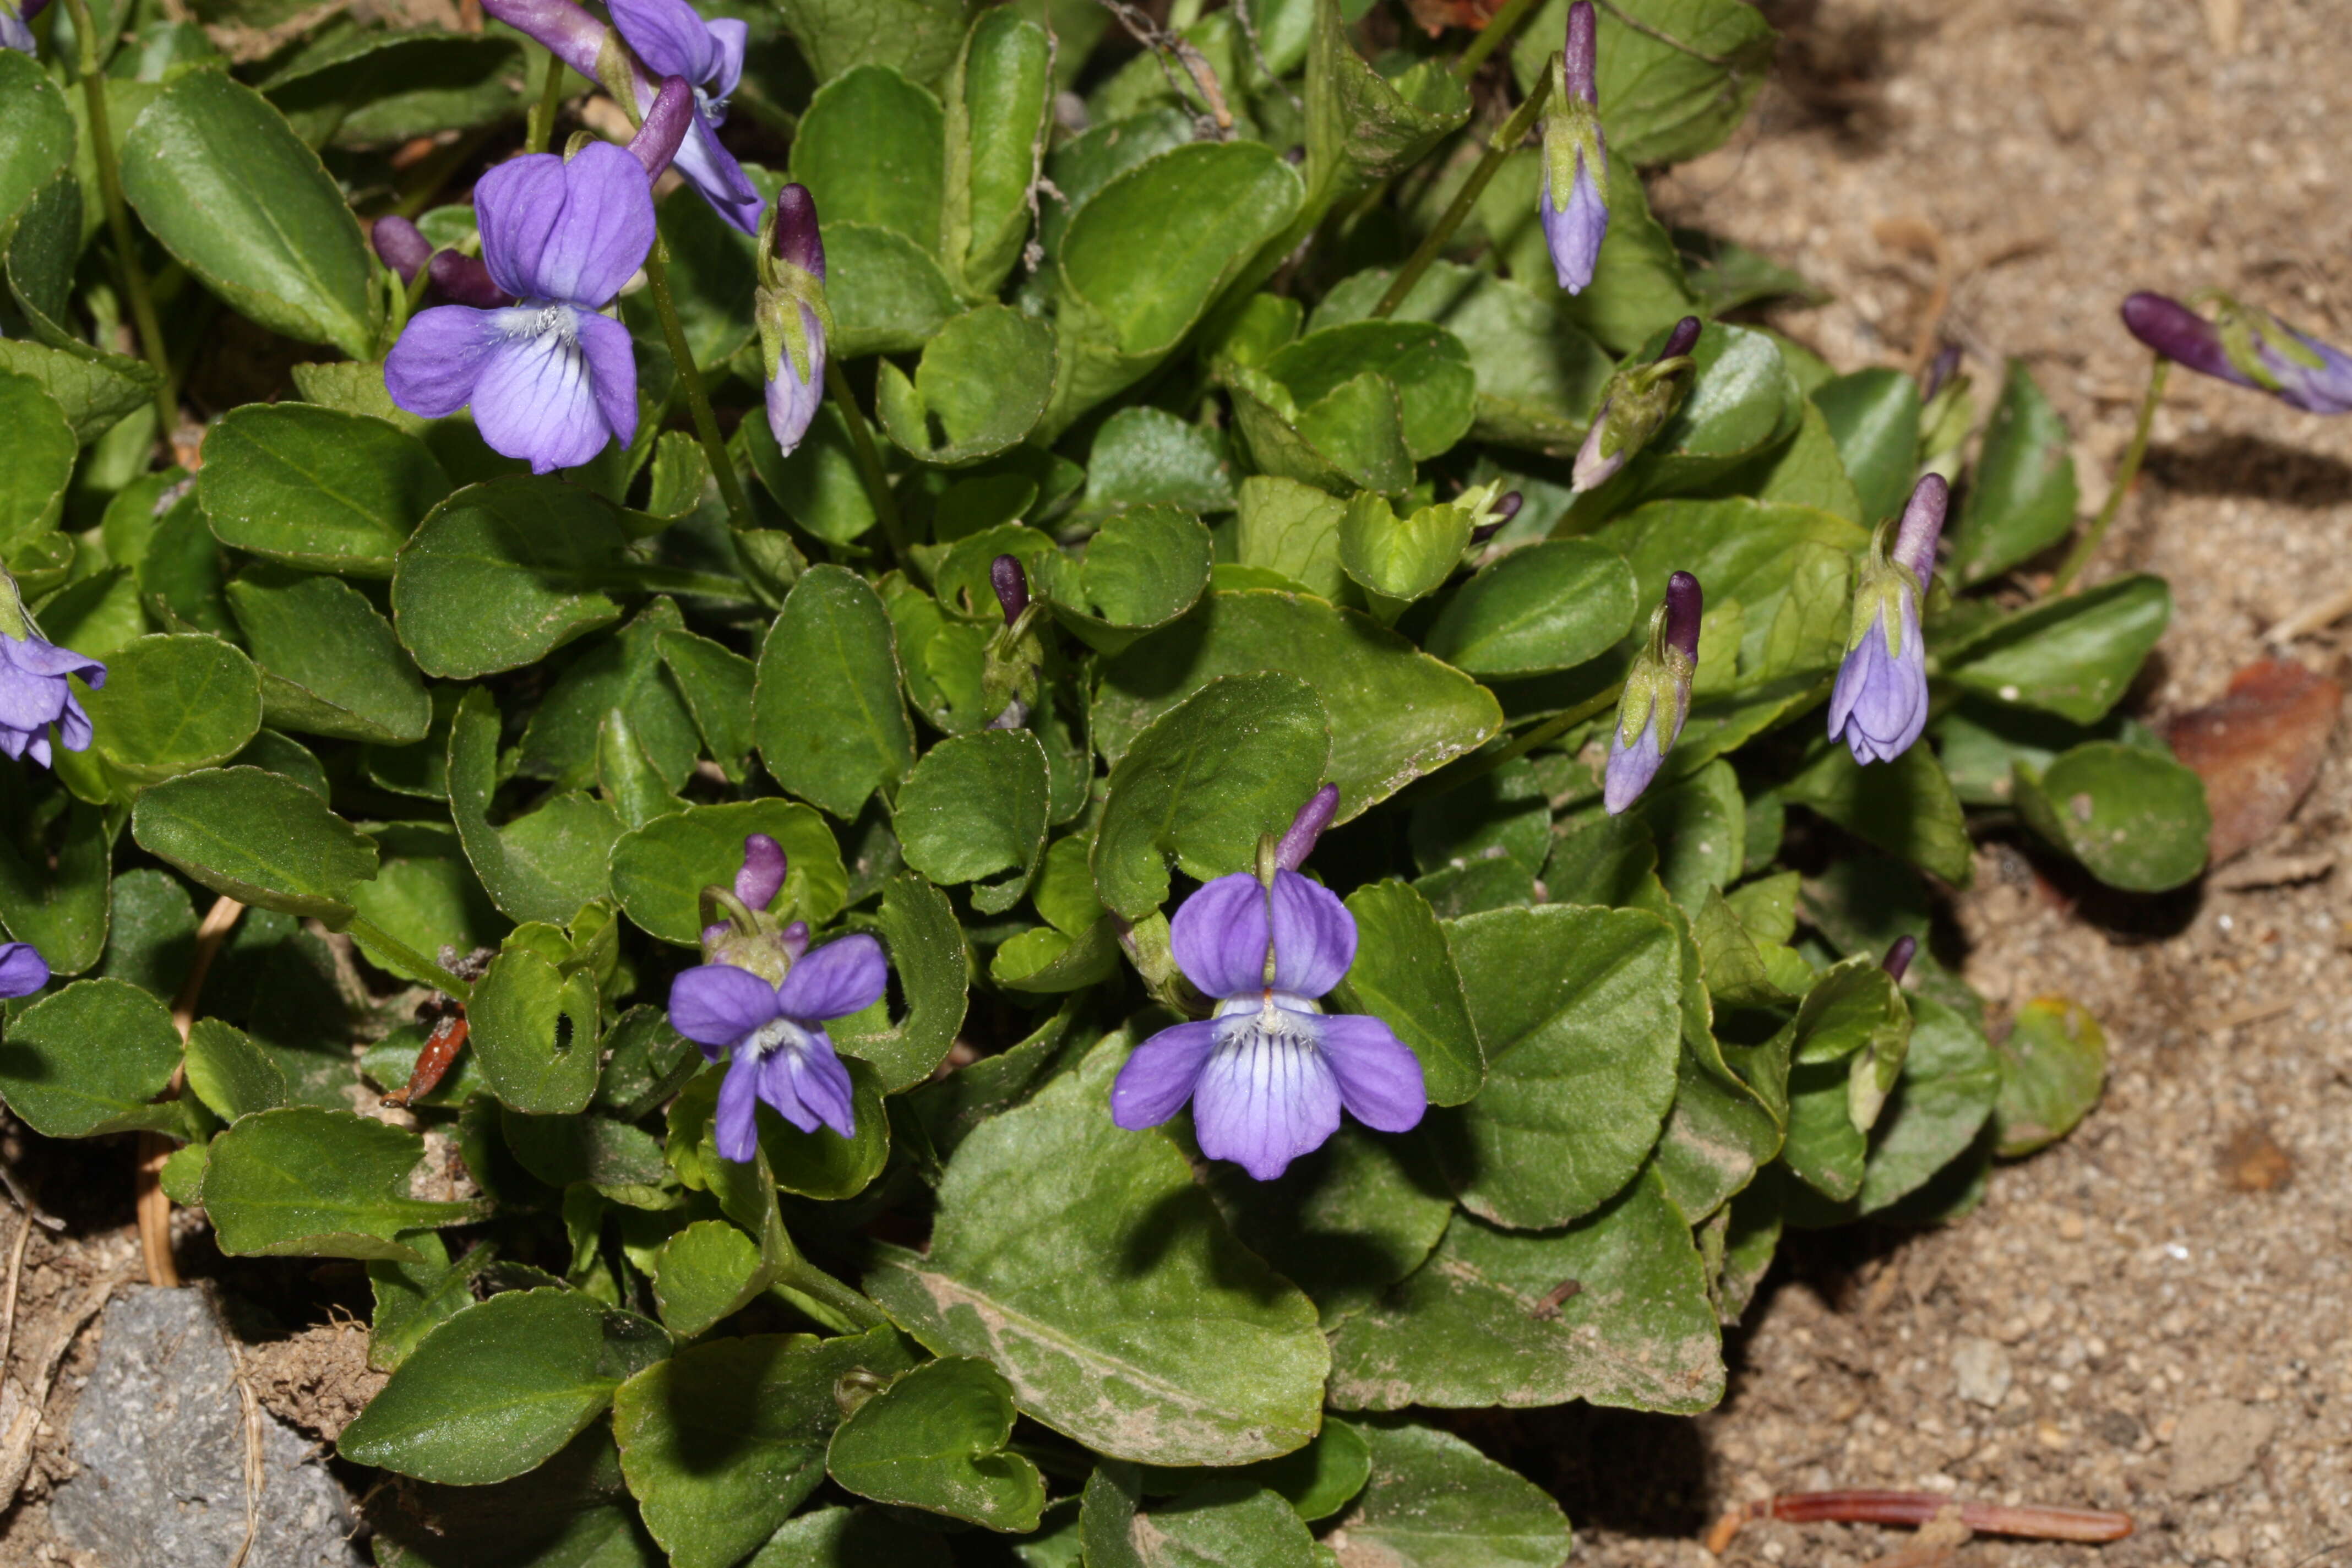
(1872,1507)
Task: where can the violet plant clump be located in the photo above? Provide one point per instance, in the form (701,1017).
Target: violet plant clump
(1193,790)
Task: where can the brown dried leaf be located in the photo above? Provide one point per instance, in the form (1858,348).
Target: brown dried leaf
(2258,749)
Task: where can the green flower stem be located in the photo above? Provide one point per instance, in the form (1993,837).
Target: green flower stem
(2088,546)
(1495,34)
(117,219)
(674,580)
(541,125)
(414,964)
(850,1311)
(698,402)
(1478,765)
(1499,147)
(869,461)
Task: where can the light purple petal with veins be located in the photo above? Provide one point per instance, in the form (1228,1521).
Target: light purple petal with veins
(791,401)
(780,1088)
(1314,936)
(1379,1077)
(713,171)
(1264,1099)
(1218,936)
(1574,233)
(716,1004)
(1630,768)
(611,372)
(574,232)
(432,370)
(1879,706)
(1159,1074)
(819,1081)
(669,35)
(728,37)
(536,399)
(842,977)
(738,1125)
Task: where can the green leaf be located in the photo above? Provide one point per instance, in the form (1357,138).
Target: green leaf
(1740,549)
(1000,99)
(928,961)
(1428,366)
(259,837)
(1030,1267)
(502,574)
(42,450)
(1578,1011)
(1675,77)
(1364,126)
(660,869)
(1545,607)
(88,1059)
(1134,284)
(1699,825)
(55,888)
(1950,1081)
(1146,456)
(1489,1319)
(826,710)
(413,1299)
(870,149)
(1398,559)
(707,1272)
(916,36)
(37,133)
(572,1509)
(621,1162)
(95,390)
(174,704)
(305,1182)
(2022,498)
(1229,1519)
(312,488)
(1395,713)
(2074,656)
(715,682)
(1434,1501)
(1905,807)
(721,1442)
(1874,415)
(937,1440)
(888,293)
(1404,975)
(218,177)
(1352,438)
(982,385)
(2136,820)
(1233,761)
(230,1074)
(622,672)
(501,1386)
(975,805)
(1638,291)
(831,1537)
(2054,1066)
(330,664)
(534,1029)
(1348,1220)
(1143,568)
(541,865)
(1293,529)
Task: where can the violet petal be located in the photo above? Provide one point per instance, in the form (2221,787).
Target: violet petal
(1159,1074)
(842,977)
(1219,937)
(718,1004)
(1265,1100)
(1379,1079)
(1314,936)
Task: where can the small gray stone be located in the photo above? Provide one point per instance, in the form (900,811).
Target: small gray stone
(1980,1372)
(159,1437)
(2216,1443)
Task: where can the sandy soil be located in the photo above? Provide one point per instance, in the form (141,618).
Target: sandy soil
(2167,1295)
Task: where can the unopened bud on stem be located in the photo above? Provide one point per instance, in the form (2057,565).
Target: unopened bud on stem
(1635,405)
(1657,698)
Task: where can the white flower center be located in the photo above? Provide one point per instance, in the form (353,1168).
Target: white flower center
(540,319)
(776,1034)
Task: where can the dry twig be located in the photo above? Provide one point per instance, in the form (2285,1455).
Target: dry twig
(155,1205)
(1870,1506)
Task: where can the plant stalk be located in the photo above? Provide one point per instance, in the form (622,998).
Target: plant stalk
(869,461)
(2088,545)
(698,402)
(1494,36)
(540,129)
(1499,147)
(117,219)
(1475,767)
(414,964)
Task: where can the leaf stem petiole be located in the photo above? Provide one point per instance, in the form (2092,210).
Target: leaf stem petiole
(406,960)
(698,402)
(1499,147)
(869,462)
(1494,36)
(117,219)
(2088,545)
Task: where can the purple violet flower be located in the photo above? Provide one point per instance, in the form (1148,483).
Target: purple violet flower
(1657,698)
(16,33)
(775,1032)
(1268,1073)
(794,318)
(1879,706)
(2248,346)
(1576,158)
(671,39)
(22,970)
(550,380)
(34,694)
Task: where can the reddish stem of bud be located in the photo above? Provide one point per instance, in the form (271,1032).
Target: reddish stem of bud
(1290,852)
(1685,603)
(1011,585)
(1898,957)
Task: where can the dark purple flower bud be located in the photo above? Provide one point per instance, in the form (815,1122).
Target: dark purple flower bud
(22,970)
(776,1036)
(34,694)
(550,378)
(2248,346)
(665,125)
(1879,705)
(1507,507)
(793,319)
(761,877)
(1657,698)
(400,243)
(1575,210)
(1298,841)
(1270,1072)
(1634,406)
(1011,585)
(462,280)
(1898,957)
(1681,340)
(794,239)
(1947,362)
